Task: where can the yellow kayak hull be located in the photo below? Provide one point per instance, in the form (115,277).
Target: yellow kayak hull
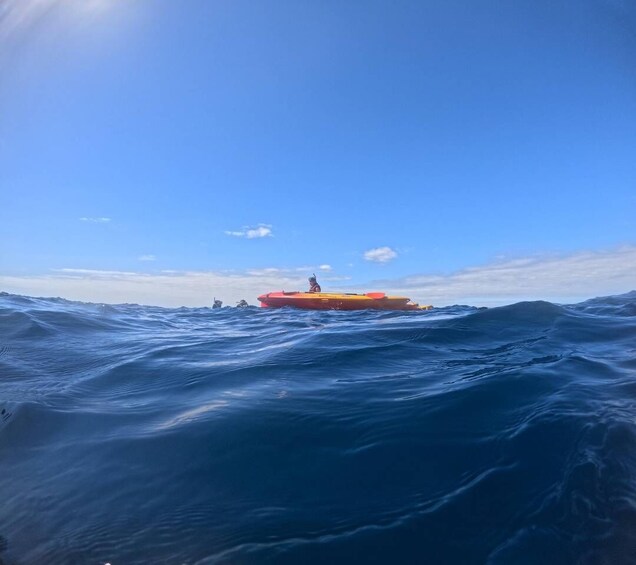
(338,301)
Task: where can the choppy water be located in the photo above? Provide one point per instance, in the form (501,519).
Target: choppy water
(134,434)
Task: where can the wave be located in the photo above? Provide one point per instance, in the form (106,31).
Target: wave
(135,434)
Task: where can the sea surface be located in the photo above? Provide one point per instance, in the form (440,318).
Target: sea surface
(133,434)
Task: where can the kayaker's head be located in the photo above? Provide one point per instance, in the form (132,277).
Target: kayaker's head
(312,279)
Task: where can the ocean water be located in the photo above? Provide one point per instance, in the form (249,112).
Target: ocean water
(132,434)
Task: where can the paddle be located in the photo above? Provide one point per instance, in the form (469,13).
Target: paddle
(376,295)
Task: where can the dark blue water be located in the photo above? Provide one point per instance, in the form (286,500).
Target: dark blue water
(135,434)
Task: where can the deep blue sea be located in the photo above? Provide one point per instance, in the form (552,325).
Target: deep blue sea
(133,434)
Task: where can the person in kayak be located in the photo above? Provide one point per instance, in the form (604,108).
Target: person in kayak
(313,284)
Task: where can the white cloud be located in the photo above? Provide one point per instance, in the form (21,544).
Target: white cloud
(147,258)
(380,254)
(171,288)
(262,230)
(264,272)
(325,268)
(558,278)
(93,272)
(566,278)
(96,220)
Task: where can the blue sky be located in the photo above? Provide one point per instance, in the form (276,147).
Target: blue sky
(164,152)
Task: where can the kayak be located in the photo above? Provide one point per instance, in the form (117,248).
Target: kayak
(338,301)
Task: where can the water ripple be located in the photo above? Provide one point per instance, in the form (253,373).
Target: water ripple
(132,434)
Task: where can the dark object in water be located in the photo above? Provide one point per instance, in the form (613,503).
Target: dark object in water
(242,303)
(217,303)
